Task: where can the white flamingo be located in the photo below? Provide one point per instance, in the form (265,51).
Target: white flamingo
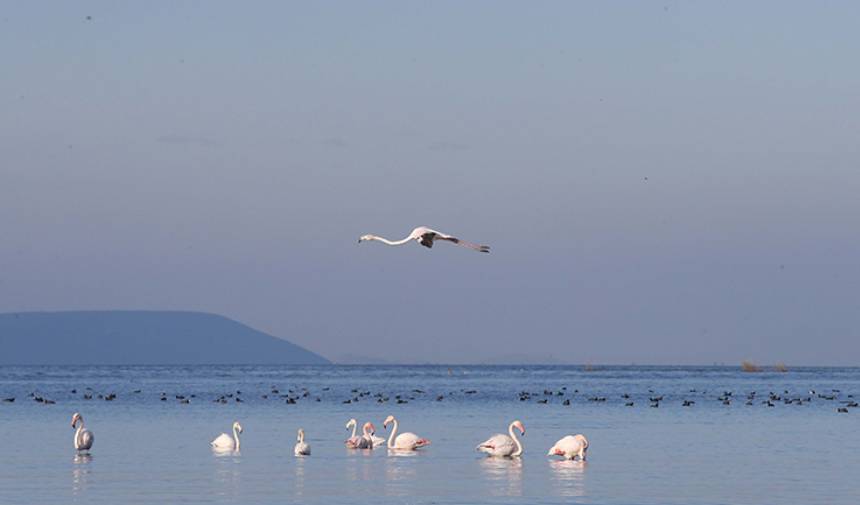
(84,438)
(225,442)
(505,446)
(302,448)
(405,441)
(377,440)
(365,441)
(426,236)
(570,447)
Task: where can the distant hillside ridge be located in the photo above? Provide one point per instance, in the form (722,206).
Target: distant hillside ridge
(123,337)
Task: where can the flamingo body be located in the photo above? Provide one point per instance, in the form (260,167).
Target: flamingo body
(570,447)
(223,440)
(377,441)
(409,441)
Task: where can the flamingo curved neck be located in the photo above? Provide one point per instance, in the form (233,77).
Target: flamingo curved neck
(519,450)
(389,242)
(393,434)
(78,432)
(236,438)
(354,426)
(301,437)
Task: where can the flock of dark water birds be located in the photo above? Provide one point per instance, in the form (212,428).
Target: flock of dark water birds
(562,396)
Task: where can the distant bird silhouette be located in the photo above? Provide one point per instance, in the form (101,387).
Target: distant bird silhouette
(426,237)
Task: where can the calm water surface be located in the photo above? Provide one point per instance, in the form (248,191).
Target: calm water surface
(153,451)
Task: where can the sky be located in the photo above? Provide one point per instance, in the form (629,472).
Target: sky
(660,182)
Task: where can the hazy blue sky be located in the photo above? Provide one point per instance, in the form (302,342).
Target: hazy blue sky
(225,157)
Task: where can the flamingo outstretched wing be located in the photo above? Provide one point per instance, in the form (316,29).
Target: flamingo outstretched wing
(429,235)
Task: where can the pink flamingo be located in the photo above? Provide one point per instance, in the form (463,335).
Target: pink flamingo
(426,236)
(570,447)
(405,441)
(504,446)
(365,441)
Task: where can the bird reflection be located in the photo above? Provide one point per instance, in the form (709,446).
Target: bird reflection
(359,453)
(568,476)
(80,473)
(359,465)
(505,475)
(221,452)
(299,484)
(400,473)
(228,472)
(405,453)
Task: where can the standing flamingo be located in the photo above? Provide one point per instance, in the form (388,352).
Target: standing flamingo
(365,441)
(225,443)
(302,448)
(84,438)
(377,440)
(426,236)
(405,441)
(570,447)
(505,446)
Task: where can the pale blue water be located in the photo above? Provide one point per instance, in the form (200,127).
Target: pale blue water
(153,451)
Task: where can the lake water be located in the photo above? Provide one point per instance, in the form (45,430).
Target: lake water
(152,451)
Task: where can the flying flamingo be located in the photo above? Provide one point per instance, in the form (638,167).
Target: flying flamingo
(377,440)
(226,443)
(570,447)
(365,441)
(84,438)
(302,448)
(426,236)
(505,446)
(405,441)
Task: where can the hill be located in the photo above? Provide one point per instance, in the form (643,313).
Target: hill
(140,338)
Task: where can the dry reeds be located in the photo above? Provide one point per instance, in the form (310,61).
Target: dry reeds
(749,366)
(780,367)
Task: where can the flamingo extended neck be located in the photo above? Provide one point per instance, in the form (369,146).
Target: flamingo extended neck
(236,438)
(393,434)
(389,242)
(301,436)
(78,432)
(519,450)
(354,426)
